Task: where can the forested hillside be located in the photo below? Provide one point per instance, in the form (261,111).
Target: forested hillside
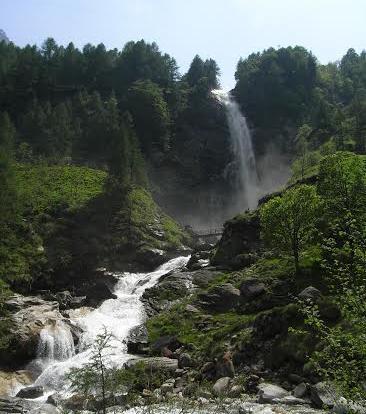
(106,155)
(302,105)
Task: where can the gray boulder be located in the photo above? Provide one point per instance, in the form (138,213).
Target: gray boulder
(323,395)
(221,386)
(300,390)
(21,406)
(310,293)
(154,364)
(220,298)
(269,392)
(185,360)
(54,399)
(30,392)
(252,288)
(235,391)
(137,341)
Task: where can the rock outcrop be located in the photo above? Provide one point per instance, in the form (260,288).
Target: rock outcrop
(29,315)
(175,286)
(220,298)
(13,381)
(240,242)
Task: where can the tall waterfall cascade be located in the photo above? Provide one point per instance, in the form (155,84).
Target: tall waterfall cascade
(242,170)
(117,316)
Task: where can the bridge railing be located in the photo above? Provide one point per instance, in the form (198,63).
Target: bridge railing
(209,232)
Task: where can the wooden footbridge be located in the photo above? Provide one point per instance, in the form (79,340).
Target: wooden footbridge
(214,233)
(209,232)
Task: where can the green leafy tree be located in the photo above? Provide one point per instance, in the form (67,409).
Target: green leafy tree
(340,357)
(144,61)
(288,221)
(342,186)
(276,86)
(94,378)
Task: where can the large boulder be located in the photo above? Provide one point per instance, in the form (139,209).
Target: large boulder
(151,257)
(154,364)
(165,342)
(323,395)
(251,289)
(98,292)
(22,406)
(310,293)
(240,242)
(185,360)
(138,341)
(30,392)
(300,390)
(29,316)
(220,298)
(269,392)
(221,386)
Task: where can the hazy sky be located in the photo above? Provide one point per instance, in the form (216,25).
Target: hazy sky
(221,29)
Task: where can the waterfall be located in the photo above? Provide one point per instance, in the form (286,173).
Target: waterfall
(242,171)
(55,343)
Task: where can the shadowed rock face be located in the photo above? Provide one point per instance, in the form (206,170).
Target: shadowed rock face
(240,242)
(193,177)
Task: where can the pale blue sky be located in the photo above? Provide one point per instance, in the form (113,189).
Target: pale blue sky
(221,29)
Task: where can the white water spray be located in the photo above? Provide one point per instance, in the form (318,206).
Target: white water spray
(244,165)
(56,343)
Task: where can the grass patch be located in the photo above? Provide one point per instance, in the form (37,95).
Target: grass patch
(42,187)
(208,334)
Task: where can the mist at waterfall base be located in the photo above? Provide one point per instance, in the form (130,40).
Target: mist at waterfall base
(56,353)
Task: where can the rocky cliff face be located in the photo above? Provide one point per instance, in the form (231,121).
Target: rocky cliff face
(191,182)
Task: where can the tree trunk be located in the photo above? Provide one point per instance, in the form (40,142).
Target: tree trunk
(103,384)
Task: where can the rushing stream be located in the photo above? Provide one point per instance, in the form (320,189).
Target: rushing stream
(56,354)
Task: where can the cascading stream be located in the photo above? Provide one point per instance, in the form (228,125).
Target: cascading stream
(117,316)
(243,167)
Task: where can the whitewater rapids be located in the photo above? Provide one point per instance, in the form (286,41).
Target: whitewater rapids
(117,316)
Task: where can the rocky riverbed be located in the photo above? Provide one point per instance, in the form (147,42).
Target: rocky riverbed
(236,377)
